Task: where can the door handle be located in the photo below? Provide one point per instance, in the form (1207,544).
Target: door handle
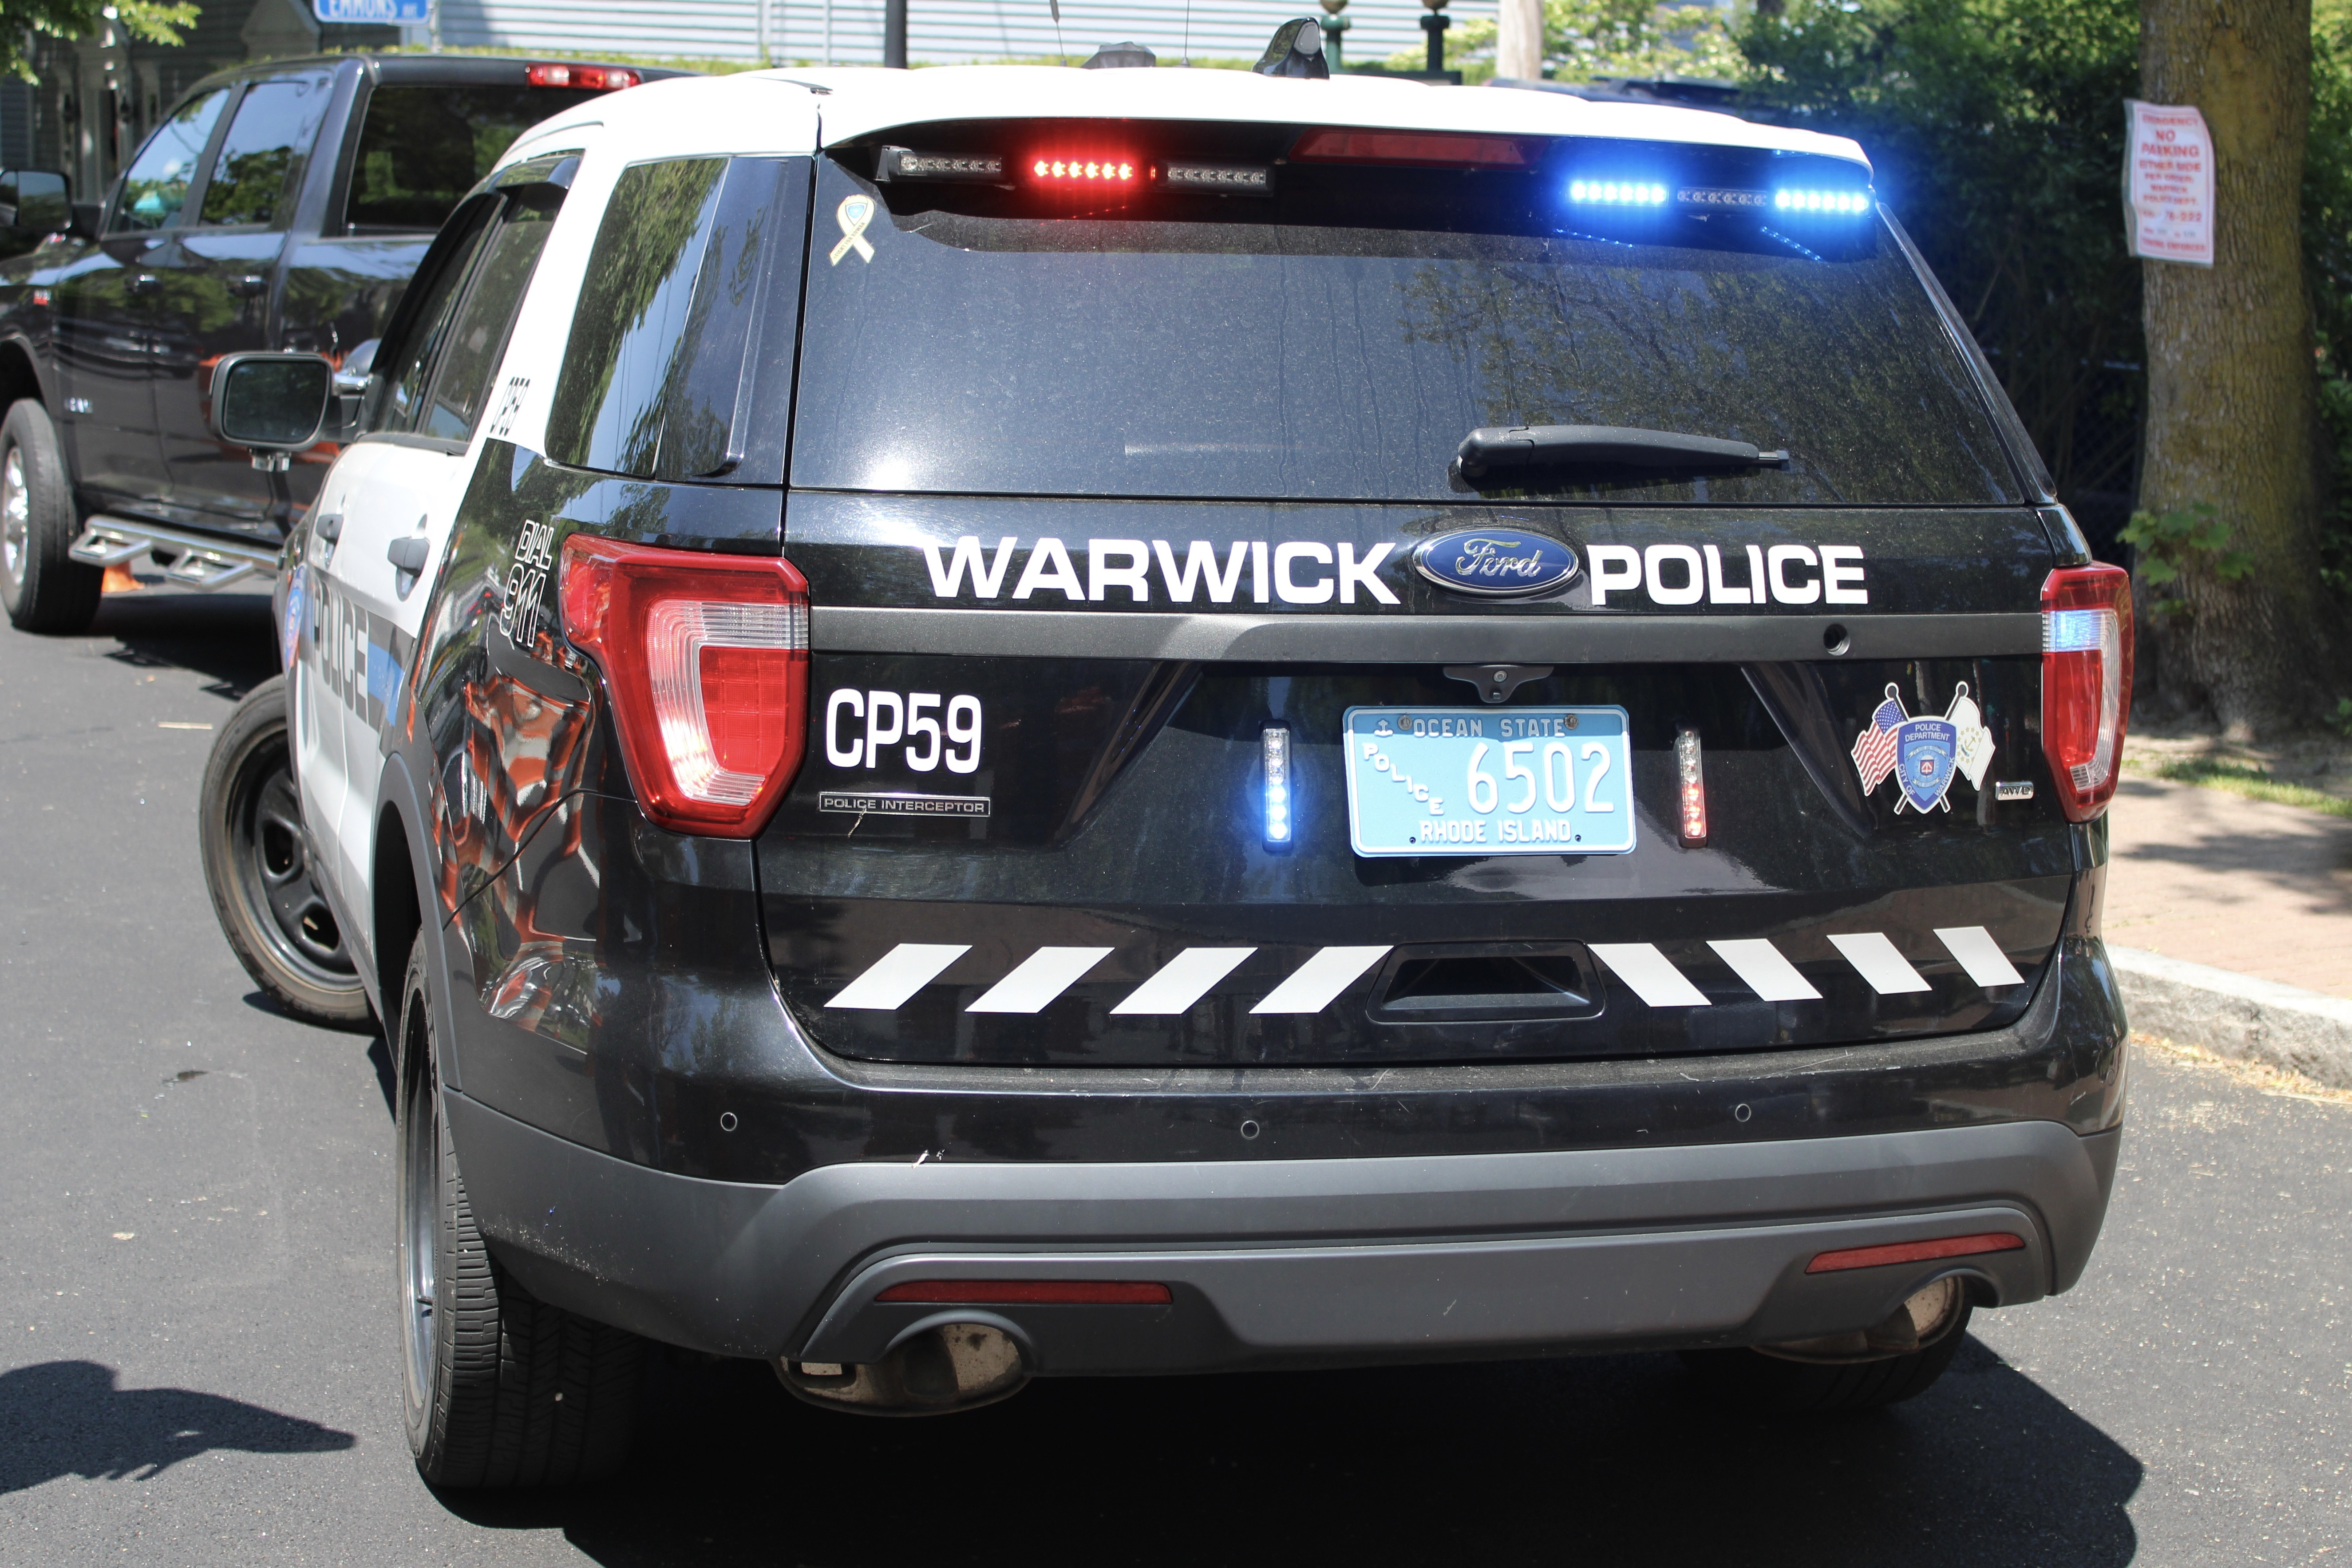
(407,554)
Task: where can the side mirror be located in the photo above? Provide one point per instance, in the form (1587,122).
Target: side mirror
(35,200)
(272,405)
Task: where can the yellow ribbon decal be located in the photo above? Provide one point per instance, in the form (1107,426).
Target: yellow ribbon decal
(853,214)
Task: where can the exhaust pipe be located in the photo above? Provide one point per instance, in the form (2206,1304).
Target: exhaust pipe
(1923,1319)
(933,1369)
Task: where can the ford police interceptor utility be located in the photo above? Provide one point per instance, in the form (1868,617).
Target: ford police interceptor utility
(1009,721)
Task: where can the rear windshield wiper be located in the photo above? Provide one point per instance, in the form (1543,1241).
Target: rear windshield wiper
(1495,448)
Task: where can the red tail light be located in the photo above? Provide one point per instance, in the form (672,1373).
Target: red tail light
(706,659)
(596,78)
(1915,1252)
(1434,148)
(2086,678)
(1085,169)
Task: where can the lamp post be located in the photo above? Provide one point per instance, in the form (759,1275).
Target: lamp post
(1434,25)
(1332,30)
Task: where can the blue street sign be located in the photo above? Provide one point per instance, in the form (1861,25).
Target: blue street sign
(380,12)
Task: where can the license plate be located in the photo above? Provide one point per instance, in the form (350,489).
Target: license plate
(1489,781)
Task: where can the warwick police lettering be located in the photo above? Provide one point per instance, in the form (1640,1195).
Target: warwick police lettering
(1294,572)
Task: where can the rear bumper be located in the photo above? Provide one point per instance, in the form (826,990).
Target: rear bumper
(1291,1262)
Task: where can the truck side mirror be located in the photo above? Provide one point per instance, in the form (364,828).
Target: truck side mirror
(272,405)
(35,201)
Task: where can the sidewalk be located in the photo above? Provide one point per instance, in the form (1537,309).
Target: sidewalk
(2243,885)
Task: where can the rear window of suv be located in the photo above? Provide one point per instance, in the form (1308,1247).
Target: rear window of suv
(423,148)
(1338,340)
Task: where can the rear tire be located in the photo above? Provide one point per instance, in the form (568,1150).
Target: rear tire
(42,587)
(501,1389)
(1766,1382)
(257,868)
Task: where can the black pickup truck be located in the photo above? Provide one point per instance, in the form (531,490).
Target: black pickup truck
(279,206)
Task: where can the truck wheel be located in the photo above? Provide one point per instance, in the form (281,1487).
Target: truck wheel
(43,588)
(1769,1383)
(258,866)
(501,1389)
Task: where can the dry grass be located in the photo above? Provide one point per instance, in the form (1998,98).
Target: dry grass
(2285,1083)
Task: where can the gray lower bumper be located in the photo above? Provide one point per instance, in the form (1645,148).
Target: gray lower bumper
(1291,1262)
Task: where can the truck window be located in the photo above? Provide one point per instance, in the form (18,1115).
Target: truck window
(157,181)
(654,373)
(255,178)
(423,148)
(477,338)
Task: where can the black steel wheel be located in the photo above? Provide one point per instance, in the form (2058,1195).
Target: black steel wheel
(43,588)
(500,1389)
(258,866)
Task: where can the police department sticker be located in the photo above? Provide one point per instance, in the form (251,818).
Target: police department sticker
(1924,752)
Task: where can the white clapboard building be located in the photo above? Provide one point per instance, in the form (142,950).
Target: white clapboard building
(849,32)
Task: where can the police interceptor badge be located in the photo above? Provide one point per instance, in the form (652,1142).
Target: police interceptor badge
(1495,562)
(1924,752)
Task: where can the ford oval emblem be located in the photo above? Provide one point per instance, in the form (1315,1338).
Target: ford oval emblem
(1495,562)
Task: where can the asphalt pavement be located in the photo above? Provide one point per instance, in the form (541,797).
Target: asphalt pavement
(198,1347)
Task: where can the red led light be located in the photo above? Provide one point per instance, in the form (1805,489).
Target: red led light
(1062,169)
(1914,1251)
(1030,1292)
(1431,149)
(596,78)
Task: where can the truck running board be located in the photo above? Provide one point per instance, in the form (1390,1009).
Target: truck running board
(199,561)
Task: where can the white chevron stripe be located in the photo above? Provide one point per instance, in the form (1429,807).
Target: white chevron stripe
(1317,982)
(1980,955)
(1652,976)
(1888,971)
(1042,976)
(1184,980)
(1766,972)
(900,973)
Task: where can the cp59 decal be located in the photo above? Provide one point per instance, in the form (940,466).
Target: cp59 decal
(931,729)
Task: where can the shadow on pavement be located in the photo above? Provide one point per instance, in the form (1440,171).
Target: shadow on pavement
(227,636)
(68,1418)
(1601,1459)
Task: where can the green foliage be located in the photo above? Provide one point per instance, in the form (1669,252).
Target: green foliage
(1588,39)
(2341,719)
(158,23)
(2173,543)
(2247,781)
(1996,130)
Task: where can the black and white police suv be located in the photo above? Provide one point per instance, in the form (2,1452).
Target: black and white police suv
(1010,721)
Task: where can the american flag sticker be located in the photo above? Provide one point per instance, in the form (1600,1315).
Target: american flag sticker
(1874,751)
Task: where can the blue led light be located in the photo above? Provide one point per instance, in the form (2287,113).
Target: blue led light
(1618,192)
(1840,204)
(1274,748)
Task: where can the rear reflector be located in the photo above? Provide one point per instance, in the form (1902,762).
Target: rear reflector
(1429,149)
(1030,1292)
(1914,1251)
(707,660)
(2087,678)
(596,78)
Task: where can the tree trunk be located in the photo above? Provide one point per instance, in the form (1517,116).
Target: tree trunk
(2232,386)
(1519,40)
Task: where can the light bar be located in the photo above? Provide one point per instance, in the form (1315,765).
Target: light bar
(1031,1292)
(1691,771)
(1915,1252)
(905,163)
(1236,179)
(1114,169)
(1846,203)
(596,78)
(1618,192)
(1274,743)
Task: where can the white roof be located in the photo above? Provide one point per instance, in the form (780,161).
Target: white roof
(743,112)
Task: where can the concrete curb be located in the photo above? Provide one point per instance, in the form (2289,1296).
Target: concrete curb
(2234,1015)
